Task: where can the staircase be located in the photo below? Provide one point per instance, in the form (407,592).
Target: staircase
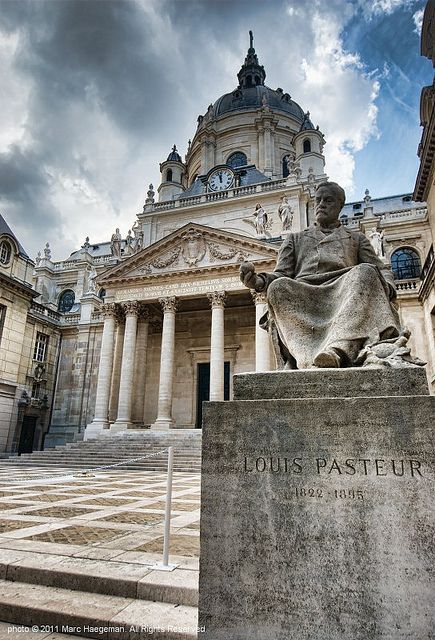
(96,598)
(120,447)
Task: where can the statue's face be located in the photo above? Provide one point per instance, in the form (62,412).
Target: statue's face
(327,207)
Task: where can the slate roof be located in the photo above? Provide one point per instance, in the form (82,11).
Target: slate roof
(5,229)
(401,202)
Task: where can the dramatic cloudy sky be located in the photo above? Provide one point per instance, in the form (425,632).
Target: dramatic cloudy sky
(95,92)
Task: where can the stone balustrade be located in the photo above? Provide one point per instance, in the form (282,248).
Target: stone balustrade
(408,285)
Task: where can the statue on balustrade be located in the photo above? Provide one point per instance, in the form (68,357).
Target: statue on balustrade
(260,220)
(115,244)
(285,213)
(331,299)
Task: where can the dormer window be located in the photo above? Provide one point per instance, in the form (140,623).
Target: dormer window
(237,159)
(5,252)
(356,206)
(407,199)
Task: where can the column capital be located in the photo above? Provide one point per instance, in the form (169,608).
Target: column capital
(258,297)
(169,305)
(217,299)
(109,310)
(131,308)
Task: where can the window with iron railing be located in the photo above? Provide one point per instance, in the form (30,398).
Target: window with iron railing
(405,264)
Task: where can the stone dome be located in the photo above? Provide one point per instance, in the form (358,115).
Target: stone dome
(255,97)
(174,156)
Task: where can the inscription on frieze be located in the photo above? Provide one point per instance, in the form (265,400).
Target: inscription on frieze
(179,289)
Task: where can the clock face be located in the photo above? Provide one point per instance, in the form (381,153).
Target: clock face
(221,179)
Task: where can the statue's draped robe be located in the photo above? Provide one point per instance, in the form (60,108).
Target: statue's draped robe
(327,291)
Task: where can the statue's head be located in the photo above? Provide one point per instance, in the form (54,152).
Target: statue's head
(329,201)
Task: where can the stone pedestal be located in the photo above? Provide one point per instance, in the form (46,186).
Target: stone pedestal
(317,508)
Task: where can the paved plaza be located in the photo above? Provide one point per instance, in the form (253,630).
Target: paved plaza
(99,533)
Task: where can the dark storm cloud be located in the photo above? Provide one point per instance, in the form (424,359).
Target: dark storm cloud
(24,194)
(72,48)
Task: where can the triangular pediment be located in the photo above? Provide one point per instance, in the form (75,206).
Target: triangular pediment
(193,248)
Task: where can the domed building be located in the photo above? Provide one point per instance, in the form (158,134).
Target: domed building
(155,321)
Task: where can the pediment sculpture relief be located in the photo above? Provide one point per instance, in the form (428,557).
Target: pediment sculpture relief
(194,249)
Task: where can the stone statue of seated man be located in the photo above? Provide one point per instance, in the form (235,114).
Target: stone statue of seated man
(330,296)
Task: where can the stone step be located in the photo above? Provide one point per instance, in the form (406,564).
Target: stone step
(11,631)
(85,612)
(76,469)
(114,578)
(104,458)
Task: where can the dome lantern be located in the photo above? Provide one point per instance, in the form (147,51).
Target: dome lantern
(173,171)
(252,73)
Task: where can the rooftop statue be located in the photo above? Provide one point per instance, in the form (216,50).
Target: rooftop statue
(330,296)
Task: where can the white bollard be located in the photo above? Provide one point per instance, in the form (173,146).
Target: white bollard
(165,566)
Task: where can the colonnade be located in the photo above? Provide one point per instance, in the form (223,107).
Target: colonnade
(123,354)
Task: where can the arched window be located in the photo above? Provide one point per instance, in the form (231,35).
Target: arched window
(249,81)
(307,146)
(5,252)
(66,301)
(405,264)
(237,159)
(285,170)
(102,293)
(257,80)
(169,175)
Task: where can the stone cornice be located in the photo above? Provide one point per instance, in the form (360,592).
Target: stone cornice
(423,182)
(17,286)
(189,273)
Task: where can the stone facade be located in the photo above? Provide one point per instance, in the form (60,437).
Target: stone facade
(155,323)
(425,187)
(30,338)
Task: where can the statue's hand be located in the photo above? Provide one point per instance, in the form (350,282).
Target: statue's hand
(249,277)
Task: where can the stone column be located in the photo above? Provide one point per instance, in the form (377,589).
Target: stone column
(123,421)
(164,411)
(100,420)
(116,368)
(262,340)
(267,150)
(217,346)
(140,366)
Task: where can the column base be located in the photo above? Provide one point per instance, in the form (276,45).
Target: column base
(94,429)
(121,425)
(162,425)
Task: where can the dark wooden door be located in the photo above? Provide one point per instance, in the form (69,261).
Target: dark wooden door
(203,388)
(27,434)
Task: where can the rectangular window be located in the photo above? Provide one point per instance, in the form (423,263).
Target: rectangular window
(36,390)
(2,318)
(41,344)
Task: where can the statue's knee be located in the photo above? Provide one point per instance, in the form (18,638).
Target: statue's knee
(368,271)
(273,291)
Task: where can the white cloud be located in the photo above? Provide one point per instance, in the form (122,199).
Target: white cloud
(418,21)
(13,94)
(379,7)
(342,96)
